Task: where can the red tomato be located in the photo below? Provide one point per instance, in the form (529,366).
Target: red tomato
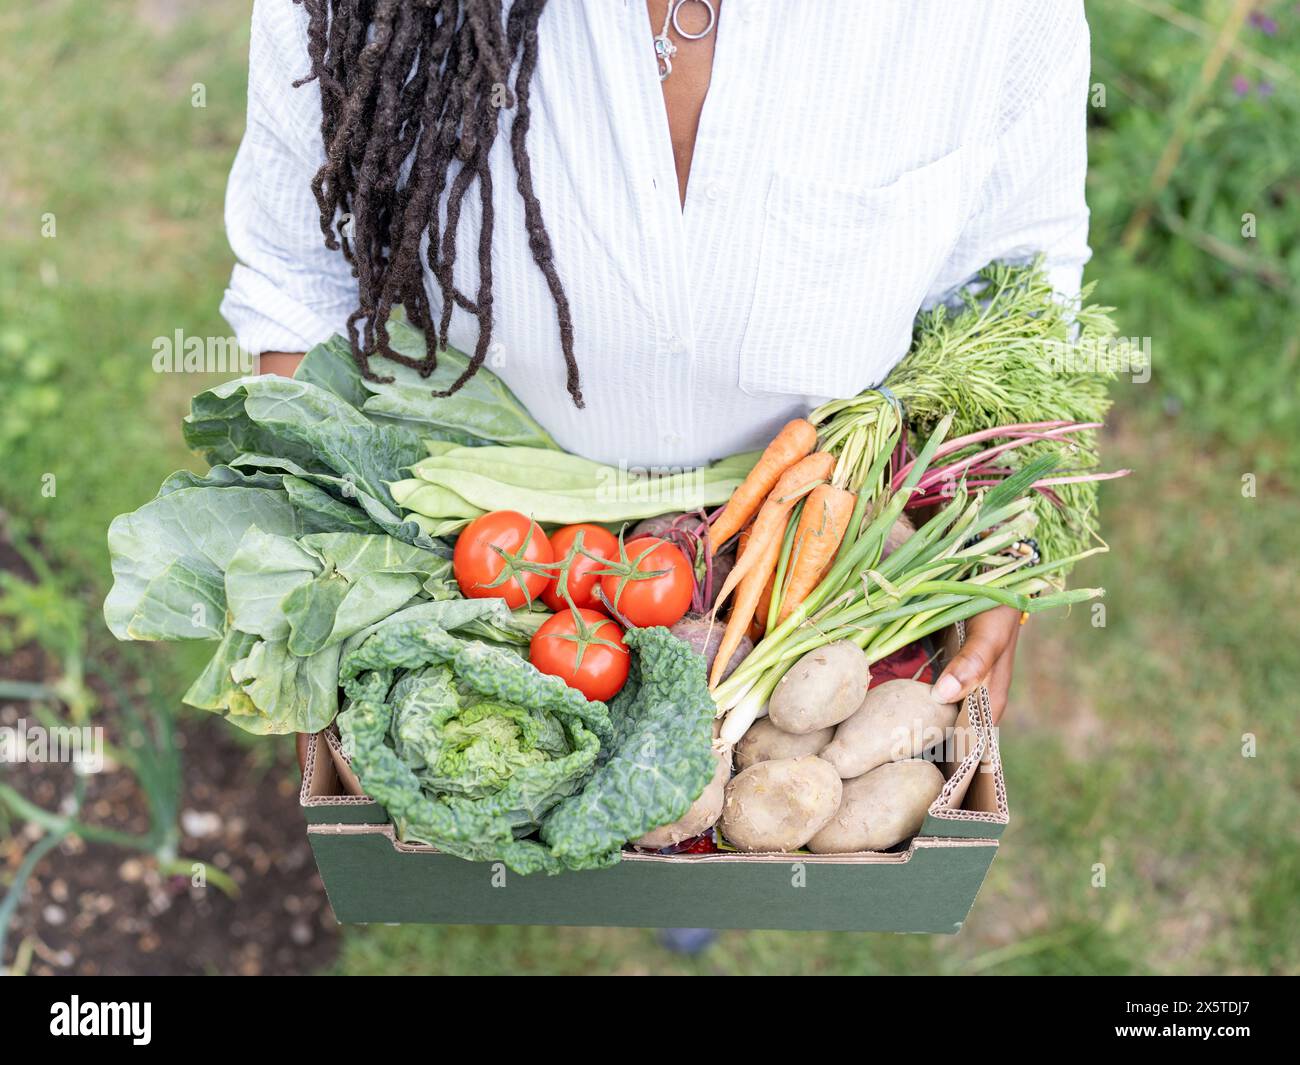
(587,652)
(658,600)
(494,543)
(582,580)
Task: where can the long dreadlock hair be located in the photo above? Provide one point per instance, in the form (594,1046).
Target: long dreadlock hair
(422,80)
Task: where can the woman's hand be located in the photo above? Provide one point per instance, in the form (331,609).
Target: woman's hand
(986,657)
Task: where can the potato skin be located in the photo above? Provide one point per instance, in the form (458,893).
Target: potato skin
(702,815)
(764,742)
(823,688)
(780,805)
(880,808)
(898,719)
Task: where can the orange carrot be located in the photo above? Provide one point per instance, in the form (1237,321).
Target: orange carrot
(791,444)
(742,541)
(769,526)
(822,525)
(759,624)
(742,610)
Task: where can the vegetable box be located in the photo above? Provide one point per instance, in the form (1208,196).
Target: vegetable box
(926,885)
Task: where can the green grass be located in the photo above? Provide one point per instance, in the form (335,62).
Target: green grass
(1123,746)
(133,176)
(1218,305)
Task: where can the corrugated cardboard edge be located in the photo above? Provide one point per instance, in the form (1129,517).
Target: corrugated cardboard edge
(982,761)
(319,747)
(714,858)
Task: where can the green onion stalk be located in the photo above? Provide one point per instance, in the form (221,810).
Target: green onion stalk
(959,563)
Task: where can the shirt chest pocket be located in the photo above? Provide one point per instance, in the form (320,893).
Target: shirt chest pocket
(841,274)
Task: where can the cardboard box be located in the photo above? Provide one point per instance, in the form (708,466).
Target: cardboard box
(928,886)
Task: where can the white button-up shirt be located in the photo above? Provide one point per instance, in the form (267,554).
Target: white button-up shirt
(855,161)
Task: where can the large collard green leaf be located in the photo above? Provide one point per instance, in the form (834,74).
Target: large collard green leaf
(483,410)
(291,605)
(354,555)
(263,688)
(289,693)
(495,764)
(310,427)
(319,511)
(322,512)
(169,559)
(264,569)
(218,427)
(355,581)
(352,507)
(219,477)
(659,762)
(215,688)
(330,365)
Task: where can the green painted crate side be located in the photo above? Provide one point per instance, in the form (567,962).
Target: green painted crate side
(370,813)
(369,881)
(945,829)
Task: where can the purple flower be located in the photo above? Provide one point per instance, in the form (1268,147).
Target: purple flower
(1265,88)
(1263,22)
(1241,85)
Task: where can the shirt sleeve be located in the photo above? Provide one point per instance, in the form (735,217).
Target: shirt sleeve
(288,291)
(1032,201)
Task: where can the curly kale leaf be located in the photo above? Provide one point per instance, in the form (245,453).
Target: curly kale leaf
(485,744)
(468,747)
(659,763)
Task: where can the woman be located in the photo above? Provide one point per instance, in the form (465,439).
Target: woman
(668,225)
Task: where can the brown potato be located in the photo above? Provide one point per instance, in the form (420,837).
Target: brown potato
(880,808)
(823,688)
(702,815)
(898,719)
(780,805)
(764,742)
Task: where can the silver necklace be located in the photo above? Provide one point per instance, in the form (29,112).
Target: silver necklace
(664,47)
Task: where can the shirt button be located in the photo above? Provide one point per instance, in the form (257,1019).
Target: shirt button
(713,191)
(676,345)
(496,354)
